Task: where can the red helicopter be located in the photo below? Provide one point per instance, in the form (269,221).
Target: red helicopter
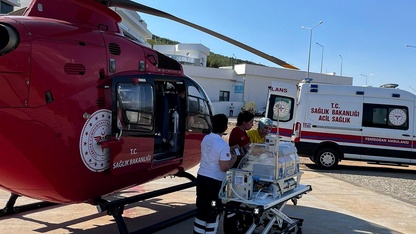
(86,111)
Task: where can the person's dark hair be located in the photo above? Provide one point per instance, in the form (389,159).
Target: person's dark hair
(244,116)
(219,123)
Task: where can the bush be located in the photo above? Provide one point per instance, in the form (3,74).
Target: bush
(250,106)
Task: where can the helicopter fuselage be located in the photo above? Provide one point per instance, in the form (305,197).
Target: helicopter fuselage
(85,111)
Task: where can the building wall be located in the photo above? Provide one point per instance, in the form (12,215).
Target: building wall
(215,79)
(254,80)
(133,26)
(257,79)
(189,54)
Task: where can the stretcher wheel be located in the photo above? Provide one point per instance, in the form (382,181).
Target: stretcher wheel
(294,201)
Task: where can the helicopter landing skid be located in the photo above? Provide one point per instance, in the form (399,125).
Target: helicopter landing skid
(116,207)
(10,207)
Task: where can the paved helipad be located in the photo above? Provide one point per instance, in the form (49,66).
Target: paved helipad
(333,206)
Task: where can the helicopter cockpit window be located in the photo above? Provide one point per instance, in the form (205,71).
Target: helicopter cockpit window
(193,91)
(135,106)
(198,109)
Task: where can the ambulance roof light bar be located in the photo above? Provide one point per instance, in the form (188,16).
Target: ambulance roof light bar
(307,80)
(389,86)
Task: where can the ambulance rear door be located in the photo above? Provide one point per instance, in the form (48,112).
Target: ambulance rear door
(281,107)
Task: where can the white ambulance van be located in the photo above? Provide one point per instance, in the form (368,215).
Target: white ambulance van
(329,123)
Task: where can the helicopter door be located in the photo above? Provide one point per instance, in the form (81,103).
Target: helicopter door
(134,123)
(170,114)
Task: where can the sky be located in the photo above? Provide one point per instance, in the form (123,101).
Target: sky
(363,39)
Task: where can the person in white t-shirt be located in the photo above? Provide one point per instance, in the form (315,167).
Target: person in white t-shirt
(216,159)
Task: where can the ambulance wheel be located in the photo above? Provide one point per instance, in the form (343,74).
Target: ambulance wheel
(327,158)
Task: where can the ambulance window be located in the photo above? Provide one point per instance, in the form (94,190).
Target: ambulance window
(385,116)
(135,106)
(280,107)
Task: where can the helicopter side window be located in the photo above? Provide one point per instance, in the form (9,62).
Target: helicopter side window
(135,106)
(198,110)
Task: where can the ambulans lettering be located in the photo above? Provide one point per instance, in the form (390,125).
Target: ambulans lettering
(280,90)
(386,140)
(398,141)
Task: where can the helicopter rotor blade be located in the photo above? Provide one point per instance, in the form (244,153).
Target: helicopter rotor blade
(130,5)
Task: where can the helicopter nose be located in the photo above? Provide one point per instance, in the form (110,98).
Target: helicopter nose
(9,39)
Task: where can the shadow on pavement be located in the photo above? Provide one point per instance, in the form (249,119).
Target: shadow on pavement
(325,221)
(315,220)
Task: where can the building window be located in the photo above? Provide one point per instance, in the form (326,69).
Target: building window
(224,96)
(5,8)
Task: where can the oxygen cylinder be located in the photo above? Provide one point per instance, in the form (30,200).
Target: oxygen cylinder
(175,119)
(174,140)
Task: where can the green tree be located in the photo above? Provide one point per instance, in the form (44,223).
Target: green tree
(161,41)
(250,106)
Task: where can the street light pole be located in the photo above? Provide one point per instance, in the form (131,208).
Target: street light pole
(310,43)
(234,60)
(322,56)
(365,79)
(410,46)
(341,64)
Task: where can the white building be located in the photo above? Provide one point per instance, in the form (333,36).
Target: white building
(187,54)
(249,83)
(133,26)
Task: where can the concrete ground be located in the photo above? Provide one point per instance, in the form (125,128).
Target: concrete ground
(333,206)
